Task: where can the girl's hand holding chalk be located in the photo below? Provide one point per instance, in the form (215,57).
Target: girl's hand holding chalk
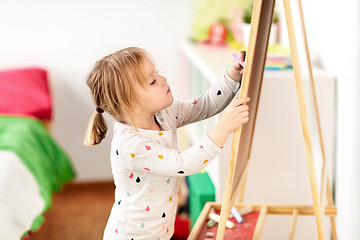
(236,69)
(237,58)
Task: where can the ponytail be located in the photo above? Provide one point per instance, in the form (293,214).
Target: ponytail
(96,129)
(112,83)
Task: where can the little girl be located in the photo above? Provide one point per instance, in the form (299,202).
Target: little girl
(145,162)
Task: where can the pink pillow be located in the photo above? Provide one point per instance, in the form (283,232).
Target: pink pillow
(25,92)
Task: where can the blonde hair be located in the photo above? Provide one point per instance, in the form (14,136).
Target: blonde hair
(112,82)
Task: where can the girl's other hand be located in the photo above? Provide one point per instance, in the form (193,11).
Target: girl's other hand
(233,116)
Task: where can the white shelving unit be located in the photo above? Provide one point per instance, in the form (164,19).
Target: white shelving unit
(278,172)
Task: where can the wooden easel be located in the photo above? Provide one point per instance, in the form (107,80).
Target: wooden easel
(242,138)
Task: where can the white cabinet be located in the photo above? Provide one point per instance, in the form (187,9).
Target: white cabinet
(278,168)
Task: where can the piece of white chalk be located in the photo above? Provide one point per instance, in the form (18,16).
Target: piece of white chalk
(236,215)
(209,234)
(216,217)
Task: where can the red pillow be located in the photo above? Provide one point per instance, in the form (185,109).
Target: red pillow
(25,92)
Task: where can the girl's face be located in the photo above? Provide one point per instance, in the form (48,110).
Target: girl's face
(156,95)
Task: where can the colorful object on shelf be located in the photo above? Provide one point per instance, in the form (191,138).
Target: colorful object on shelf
(278,58)
(217,34)
(278,62)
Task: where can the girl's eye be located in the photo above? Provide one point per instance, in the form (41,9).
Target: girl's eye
(154,79)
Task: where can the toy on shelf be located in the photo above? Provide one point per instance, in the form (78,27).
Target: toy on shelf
(217,34)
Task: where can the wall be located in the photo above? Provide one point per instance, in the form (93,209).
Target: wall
(68,37)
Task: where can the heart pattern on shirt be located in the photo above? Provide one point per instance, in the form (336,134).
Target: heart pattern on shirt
(218,93)
(148,148)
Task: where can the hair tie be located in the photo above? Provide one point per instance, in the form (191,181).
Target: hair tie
(99,110)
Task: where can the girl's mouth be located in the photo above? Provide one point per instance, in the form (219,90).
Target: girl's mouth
(168,91)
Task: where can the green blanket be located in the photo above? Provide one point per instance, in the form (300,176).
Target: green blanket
(39,152)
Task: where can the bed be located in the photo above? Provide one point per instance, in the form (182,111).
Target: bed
(32,164)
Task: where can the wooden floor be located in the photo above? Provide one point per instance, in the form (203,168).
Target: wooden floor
(79,211)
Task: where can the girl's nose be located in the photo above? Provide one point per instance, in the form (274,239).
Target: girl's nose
(164,80)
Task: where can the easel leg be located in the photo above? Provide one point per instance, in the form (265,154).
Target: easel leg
(325,183)
(225,207)
(293,224)
(331,203)
(200,222)
(325,177)
(318,209)
(260,223)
